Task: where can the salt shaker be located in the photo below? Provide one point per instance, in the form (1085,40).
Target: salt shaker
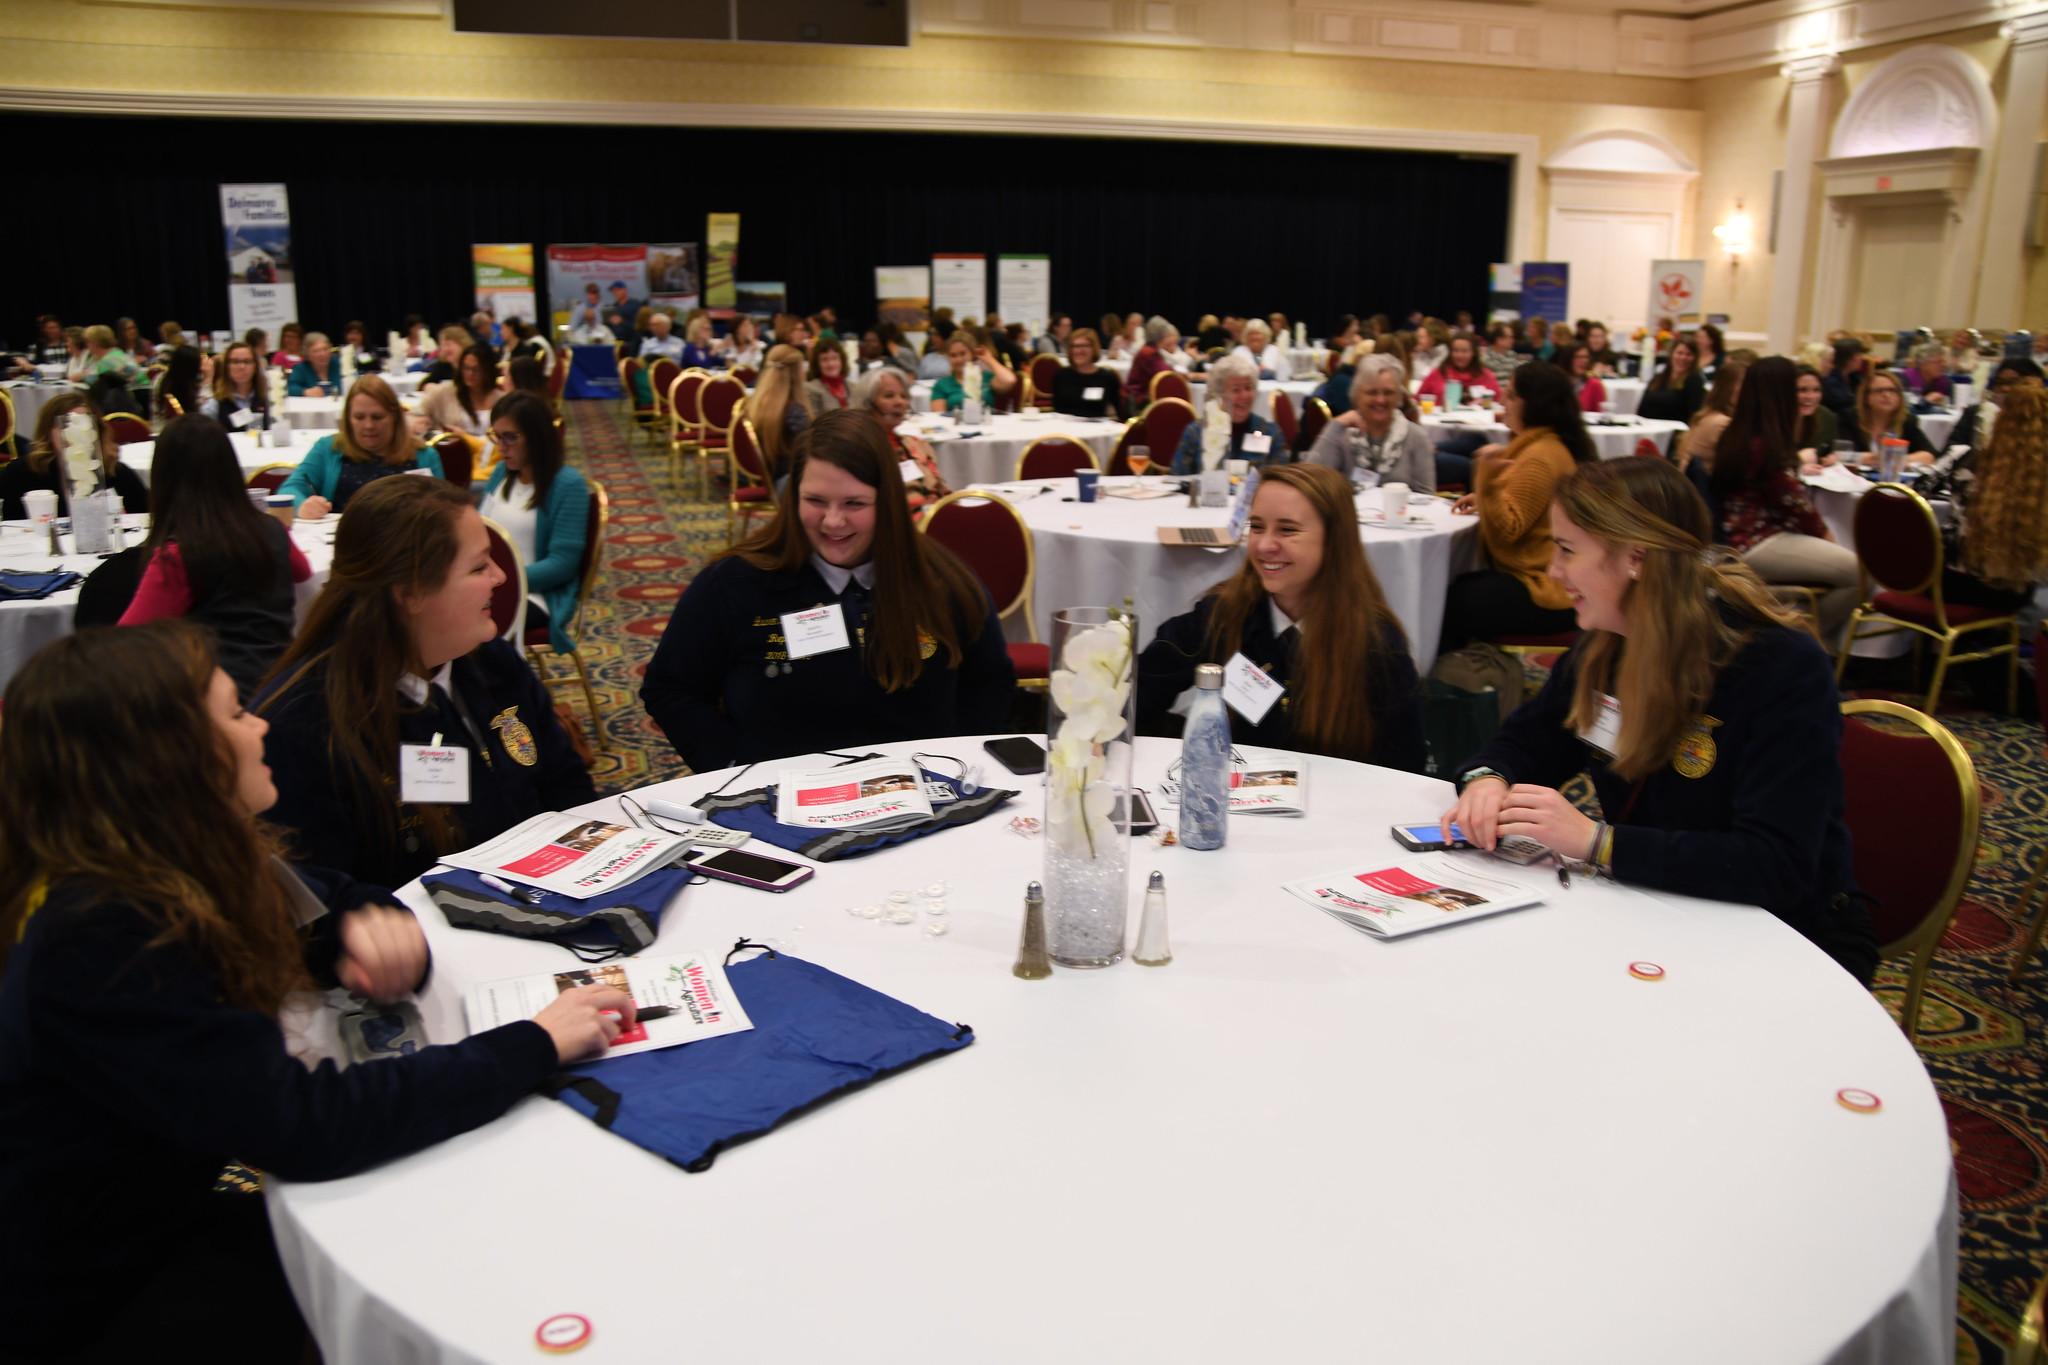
(1153,950)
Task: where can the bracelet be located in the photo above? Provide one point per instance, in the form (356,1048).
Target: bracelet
(1603,851)
(1592,858)
(1468,778)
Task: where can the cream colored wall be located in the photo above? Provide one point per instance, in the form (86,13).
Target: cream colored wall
(1743,130)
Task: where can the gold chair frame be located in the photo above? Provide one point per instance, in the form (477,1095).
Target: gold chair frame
(583,592)
(705,452)
(737,514)
(262,469)
(2028,1337)
(1025,454)
(1022,601)
(13,428)
(684,434)
(1152,385)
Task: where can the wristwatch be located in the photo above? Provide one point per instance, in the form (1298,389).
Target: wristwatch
(1470,776)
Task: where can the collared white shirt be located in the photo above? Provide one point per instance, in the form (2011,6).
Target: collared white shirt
(1281,623)
(837,578)
(415,689)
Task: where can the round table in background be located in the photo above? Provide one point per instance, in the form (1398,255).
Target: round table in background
(252,456)
(1614,442)
(1938,426)
(28,397)
(1295,1142)
(1109,549)
(1299,391)
(990,456)
(1624,394)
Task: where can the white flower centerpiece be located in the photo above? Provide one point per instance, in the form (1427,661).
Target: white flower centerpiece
(1090,721)
(93,507)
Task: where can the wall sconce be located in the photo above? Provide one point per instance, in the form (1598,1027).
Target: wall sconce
(1737,236)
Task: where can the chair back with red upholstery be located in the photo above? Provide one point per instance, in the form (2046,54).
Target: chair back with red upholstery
(1315,415)
(508,595)
(558,377)
(1054,457)
(1647,449)
(1169,384)
(1133,435)
(683,403)
(717,401)
(630,367)
(269,478)
(1912,857)
(749,464)
(747,375)
(660,376)
(1283,417)
(1043,371)
(1897,538)
(126,428)
(458,458)
(991,538)
(1165,420)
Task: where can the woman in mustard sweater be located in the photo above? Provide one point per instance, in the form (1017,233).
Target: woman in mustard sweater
(1513,488)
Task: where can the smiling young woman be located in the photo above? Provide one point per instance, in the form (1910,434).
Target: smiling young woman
(911,648)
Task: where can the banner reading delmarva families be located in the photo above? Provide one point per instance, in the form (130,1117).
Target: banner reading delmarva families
(504,279)
(262,291)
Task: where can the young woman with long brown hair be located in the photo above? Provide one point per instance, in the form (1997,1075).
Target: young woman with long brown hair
(149,938)
(1998,535)
(1306,608)
(43,469)
(912,648)
(398,649)
(1705,714)
(240,397)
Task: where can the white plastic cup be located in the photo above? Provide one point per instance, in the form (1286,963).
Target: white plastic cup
(1394,498)
(41,504)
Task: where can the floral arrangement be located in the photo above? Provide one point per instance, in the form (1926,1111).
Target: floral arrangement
(1091,687)
(81,452)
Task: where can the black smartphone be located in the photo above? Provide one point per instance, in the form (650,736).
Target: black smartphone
(1019,755)
(748,869)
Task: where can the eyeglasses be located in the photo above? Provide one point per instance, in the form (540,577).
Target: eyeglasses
(505,438)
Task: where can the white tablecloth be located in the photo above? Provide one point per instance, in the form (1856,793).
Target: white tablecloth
(26,627)
(991,456)
(1625,394)
(1108,550)
(1299,391)
(1293,1143)
(1613,442)
(1938,426)
(324,414)
(141,454)
(28,397)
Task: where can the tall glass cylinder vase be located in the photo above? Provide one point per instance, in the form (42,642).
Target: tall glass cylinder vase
(1091,718)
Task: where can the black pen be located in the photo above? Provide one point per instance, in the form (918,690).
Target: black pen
(654,1012)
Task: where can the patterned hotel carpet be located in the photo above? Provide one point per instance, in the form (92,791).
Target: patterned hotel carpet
(1985,1043)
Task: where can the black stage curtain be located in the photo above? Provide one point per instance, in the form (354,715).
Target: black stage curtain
(114,216)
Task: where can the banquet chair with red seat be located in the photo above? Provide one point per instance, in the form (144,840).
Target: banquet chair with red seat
(458,457)
(661,375)
(645,411)
(508,599)
(1898,547)
(685,418)
(1043,371)
(1119,459)
(1283,418)
(1169,384)
(718,405)
(1912,858)
(540,644)
(1054,457)
(1165,419)
(270,477)
(126,428)
(1538,645)
(753,490)
(747,375)
(558,377)
(992,539)
(1315,415)
(6,427)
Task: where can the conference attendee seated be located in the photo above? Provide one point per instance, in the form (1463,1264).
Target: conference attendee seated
(399,649)
(949,391)
(1307,610)
(1432,347)
(1335,391)
(319,374)
(896,352)
(1881,413)
(586,318)
(241,398)
(1712,350)
(1374,433)
(1977,420)
(1460,366)
(524,374)
(1580,365)
(212,557)
(1499,356)
(1705,714)
(827,388)
(1161,351)
(185,377)
(911,648)
(884,395)
(129,337)
(1996,549)
(451,342)
(1841,384)
(543,506)
(698,353)
(777,407)
(148,960)
(743,349)
(1712,418)
(1816,434)
(106,363)
(1258,350)
(373,443)
(1518,595)
(465,404)
(661,343)
(1082,388)
(290,350)
(1928,375)
(1233,384)
(42,468)
(1605,360)
(1054,341)
(1677,390)
(522,341)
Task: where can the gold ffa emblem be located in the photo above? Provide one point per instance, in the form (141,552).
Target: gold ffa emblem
(517,739)
(1697,752)
(926,646)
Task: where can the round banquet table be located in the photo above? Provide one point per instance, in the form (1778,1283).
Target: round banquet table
(139,455)
(1109,549)
(1938,426)
(1293,1143)
(324,414)
(28,397)
(1299,391)
(1625,394)
(1613,442)
(990,456)
(26,626)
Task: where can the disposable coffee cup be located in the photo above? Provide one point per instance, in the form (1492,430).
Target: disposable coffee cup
(1394,498)
(1087,482)
(41,504)
(279,505)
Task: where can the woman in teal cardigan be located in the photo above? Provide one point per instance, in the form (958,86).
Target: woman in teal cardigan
(543,507)
(319,374)
(373,441)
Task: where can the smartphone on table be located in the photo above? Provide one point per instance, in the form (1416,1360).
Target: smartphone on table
(1019,755)
(747,868)
(1428,837)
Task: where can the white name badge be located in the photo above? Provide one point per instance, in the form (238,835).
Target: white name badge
(820,630)
(1248,689)
(1092,394)
(1257,443)
(1605,733)
(433,774)
(242,418)
(909,470)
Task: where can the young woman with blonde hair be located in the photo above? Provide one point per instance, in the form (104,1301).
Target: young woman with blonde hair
(1881,412)
(1705,714)
(777,408)
(1306,607)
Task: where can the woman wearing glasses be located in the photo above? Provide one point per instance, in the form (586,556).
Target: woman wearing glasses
(544,507)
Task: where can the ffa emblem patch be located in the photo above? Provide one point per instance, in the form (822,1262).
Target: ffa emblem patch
(1697,751)
(517,739)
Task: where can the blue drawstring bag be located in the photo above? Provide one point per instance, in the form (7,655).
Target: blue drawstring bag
(816,1036)
(754,812)
(613,924)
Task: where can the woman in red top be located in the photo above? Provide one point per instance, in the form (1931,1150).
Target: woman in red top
(1161,342)
(827,387)
(1763,511)
(1578,363)
(1461,366)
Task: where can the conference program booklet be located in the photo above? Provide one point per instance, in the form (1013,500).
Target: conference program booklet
(1265,782)
(1410,895)
(690,987)
(878,794)
(572,855)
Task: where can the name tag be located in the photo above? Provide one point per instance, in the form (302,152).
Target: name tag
(241,419)
(909,470)
(433,774)
(1257,443)
(1092,394)
(1605,732)
(821,630)
(1248,689)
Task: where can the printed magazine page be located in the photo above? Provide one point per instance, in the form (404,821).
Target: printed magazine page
(881,792)
(690,986)
(1266,782)
(574,855)
(1411,895)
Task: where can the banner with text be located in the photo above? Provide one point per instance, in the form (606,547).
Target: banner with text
(580,280)
(1676,291)
(673,280)
(1024,290)
(262,289)
(1546,290)
(504,279)
(960,282)
(903,295)
(721,259)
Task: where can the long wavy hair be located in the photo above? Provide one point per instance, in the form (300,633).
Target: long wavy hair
(781,384)
(1549,401)
(1727,386)
(1762,434)
(197,500)
(224,384)
(112,772)
(1679,634)
(42,447)
(1345,618)
(921,588)
(2005,540)
(399,537)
